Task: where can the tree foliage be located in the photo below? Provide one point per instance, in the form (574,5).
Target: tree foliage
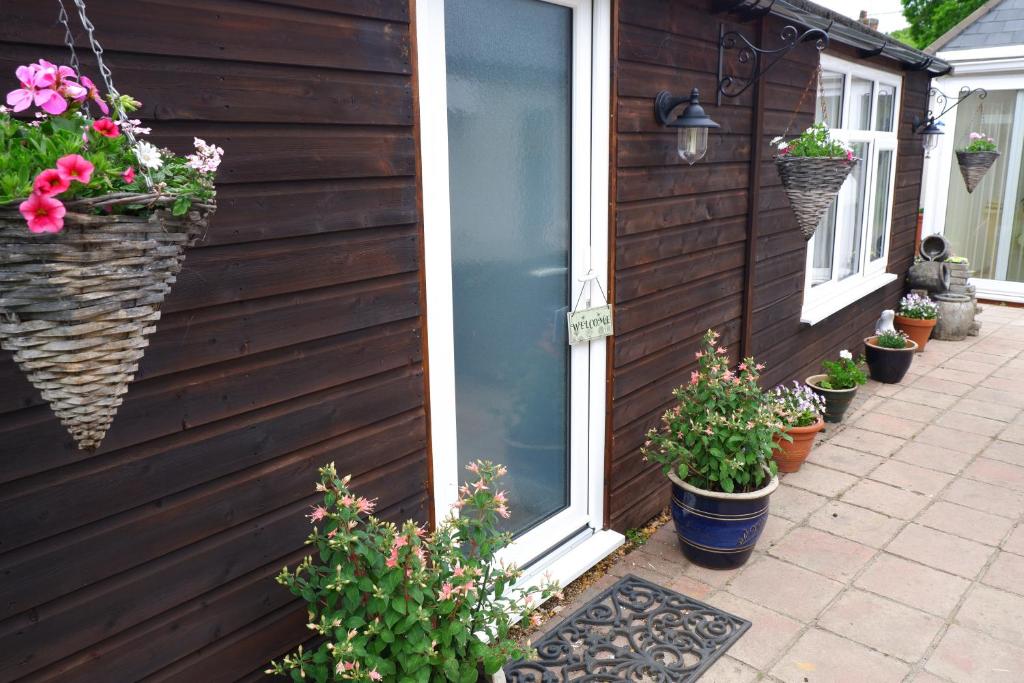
(930,19)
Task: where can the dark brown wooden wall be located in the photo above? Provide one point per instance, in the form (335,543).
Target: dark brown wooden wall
(680,233)
(292,338)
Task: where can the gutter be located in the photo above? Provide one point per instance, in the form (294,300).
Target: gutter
(844,30)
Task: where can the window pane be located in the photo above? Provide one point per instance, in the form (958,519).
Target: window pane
(830,98)
(882,182)
(860,104)
(852,200)
(510,70)
(886,107)
(822,248)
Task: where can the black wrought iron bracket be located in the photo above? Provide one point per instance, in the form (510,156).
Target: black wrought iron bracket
(943,100)
(877,52)
(759,59)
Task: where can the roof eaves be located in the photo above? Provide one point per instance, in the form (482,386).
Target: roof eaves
(952,33)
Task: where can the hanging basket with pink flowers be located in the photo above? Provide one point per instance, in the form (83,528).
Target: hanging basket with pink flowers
(813,168)
(976,159)
(93,229)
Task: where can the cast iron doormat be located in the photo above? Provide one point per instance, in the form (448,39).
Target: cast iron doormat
(634,631)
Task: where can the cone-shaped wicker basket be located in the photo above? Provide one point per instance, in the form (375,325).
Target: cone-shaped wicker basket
(77,307)
(974,166)
(811,184)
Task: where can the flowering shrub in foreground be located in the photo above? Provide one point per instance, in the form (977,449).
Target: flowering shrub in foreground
(720,434)
(917,307)
(797,406)
(404,605)
(65,154)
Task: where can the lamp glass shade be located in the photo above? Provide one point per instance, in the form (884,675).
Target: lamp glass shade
(930,141)
(692,144)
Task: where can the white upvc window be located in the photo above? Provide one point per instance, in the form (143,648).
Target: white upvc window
(847,256)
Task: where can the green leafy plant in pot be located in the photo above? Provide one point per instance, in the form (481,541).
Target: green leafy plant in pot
(403,605)
(889,355)
(838,384)
(715,446)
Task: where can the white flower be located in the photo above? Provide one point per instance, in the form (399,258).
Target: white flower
(846,355)
(148,155)
(776,140)
(783,145)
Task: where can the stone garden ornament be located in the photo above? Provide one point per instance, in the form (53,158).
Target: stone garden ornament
(94,223)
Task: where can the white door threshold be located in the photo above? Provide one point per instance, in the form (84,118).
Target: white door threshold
(571,560)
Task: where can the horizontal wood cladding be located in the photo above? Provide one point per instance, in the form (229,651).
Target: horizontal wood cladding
(680,232)
(292,338)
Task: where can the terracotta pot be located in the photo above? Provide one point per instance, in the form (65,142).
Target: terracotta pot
(836,400)
(790,455)
(888,366)
(915,328)
(715,529)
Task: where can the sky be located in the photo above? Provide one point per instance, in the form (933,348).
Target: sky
(888,12)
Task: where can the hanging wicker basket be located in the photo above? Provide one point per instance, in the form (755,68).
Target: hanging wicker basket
(811,184)
(77,307)
(974,166)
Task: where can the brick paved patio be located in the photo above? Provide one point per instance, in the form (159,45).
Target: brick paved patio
(897,552)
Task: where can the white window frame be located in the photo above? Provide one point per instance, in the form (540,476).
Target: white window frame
(825,299)
(591,101)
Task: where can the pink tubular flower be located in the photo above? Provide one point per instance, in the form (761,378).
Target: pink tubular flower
(694,377)
(374,674)
(364,505)
(742,366)
(473,467)
(75,167)
(129,175)
(106,127)
(849,155)
(50,182)
(446,592)
(43,214)
(503,511)
(318,514)
(392,561)
(94,94)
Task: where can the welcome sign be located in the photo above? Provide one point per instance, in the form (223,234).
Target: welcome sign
(590,323)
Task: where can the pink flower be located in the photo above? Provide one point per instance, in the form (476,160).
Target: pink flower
(446,592)
(50,182)
(392,561)
(698,355)
(94,94)
(75,167)
(374,674)
(332,533)
(759,366)
(535,620)
(479,486)
(473,467)
(43,214)
(318,514)
(849,155)
(501,497)
(736,380)
(106,127)
(365,506)
(721,350)
(709,431)
(347,501)
(36,88)
(459,570)
(400,542)
(742,366)
(129,175)
(694,377)
(503,511)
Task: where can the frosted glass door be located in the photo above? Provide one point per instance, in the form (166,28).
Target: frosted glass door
(509,88)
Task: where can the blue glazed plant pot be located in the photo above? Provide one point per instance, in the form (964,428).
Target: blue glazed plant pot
(718,530)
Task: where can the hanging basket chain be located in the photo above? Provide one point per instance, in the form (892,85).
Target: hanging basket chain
(108,81)
(69,41)
(814,79)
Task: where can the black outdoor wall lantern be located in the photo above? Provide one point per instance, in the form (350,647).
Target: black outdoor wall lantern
(930,129)
(692,125)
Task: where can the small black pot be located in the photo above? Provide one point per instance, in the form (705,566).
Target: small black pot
(836,400)
(888,365)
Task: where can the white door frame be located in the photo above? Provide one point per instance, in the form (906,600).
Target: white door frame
(590,158)
(937,168)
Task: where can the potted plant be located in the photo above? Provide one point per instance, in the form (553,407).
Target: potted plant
(800,410)
(813,167)
(93,227)
(716,446)
(402,604)
(889,355)
(916,317)
(838,384)
(976,158)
